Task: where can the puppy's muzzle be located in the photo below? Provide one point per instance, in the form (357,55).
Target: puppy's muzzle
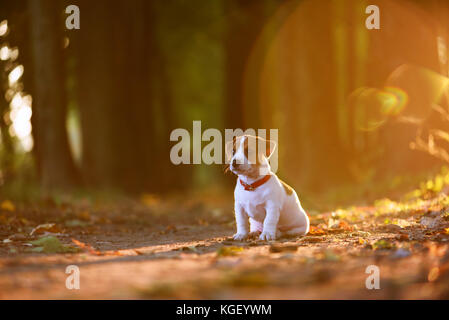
(234,165)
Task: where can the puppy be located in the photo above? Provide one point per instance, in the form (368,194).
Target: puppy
(264,204)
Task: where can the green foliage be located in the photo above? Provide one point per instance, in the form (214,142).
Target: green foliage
(383,244)
(432,186)
(52,245)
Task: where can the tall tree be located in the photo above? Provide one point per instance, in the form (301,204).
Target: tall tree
(56,167)
(245,22)
(93,47)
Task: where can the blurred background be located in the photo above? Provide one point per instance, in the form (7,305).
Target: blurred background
(359,112)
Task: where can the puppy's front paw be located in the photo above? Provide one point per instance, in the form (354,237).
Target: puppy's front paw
(240,236)
(267,236)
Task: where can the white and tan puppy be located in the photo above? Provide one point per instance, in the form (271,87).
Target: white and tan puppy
(263,203)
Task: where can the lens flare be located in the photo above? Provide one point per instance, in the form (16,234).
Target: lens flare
(417,89)
(395,100)
(367,104)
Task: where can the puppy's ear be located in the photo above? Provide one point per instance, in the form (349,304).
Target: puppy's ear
(230,148)
(266,147)
(271,146)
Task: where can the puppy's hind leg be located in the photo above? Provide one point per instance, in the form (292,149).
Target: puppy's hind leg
(300,231)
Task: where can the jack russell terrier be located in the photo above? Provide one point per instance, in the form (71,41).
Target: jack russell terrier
(264,204)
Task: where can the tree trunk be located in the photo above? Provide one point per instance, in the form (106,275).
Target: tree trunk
(49,101)
(245,22)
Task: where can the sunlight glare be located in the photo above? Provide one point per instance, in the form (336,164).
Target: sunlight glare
(3,27)
(16,101)
(15,74)
(21,114)
(13,53)
(4,53)
(442,50)
(22,128)
(27,143)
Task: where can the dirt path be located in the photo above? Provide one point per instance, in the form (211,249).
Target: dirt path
(410,247)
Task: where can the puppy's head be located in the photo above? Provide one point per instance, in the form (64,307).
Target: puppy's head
(248,155)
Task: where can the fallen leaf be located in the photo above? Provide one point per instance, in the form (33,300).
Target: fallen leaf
(51,245)
(47,227)
(403,237)
(278,248)
(7,206)
(114,253)
(345,226)
(392,228)
(75,223)
(150,200)
(87,247)
(248,279)
(433,274)
(189,248)
(228,251)
(316,231)
(84,215)
(314,239)
(402,223)
(383,244)
(24,221)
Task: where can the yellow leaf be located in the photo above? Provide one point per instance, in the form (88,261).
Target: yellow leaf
(383,244)
(248,279)
(433,274)
(229,251)
(317,231)
(84,215)
(7,206)
(150,200)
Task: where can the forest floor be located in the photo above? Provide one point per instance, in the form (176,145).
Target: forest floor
(155,248)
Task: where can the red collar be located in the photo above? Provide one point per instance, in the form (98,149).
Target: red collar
(253,186)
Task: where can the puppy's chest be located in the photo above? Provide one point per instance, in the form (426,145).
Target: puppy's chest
(254,210)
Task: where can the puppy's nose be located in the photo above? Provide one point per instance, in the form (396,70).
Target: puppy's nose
(234,163)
